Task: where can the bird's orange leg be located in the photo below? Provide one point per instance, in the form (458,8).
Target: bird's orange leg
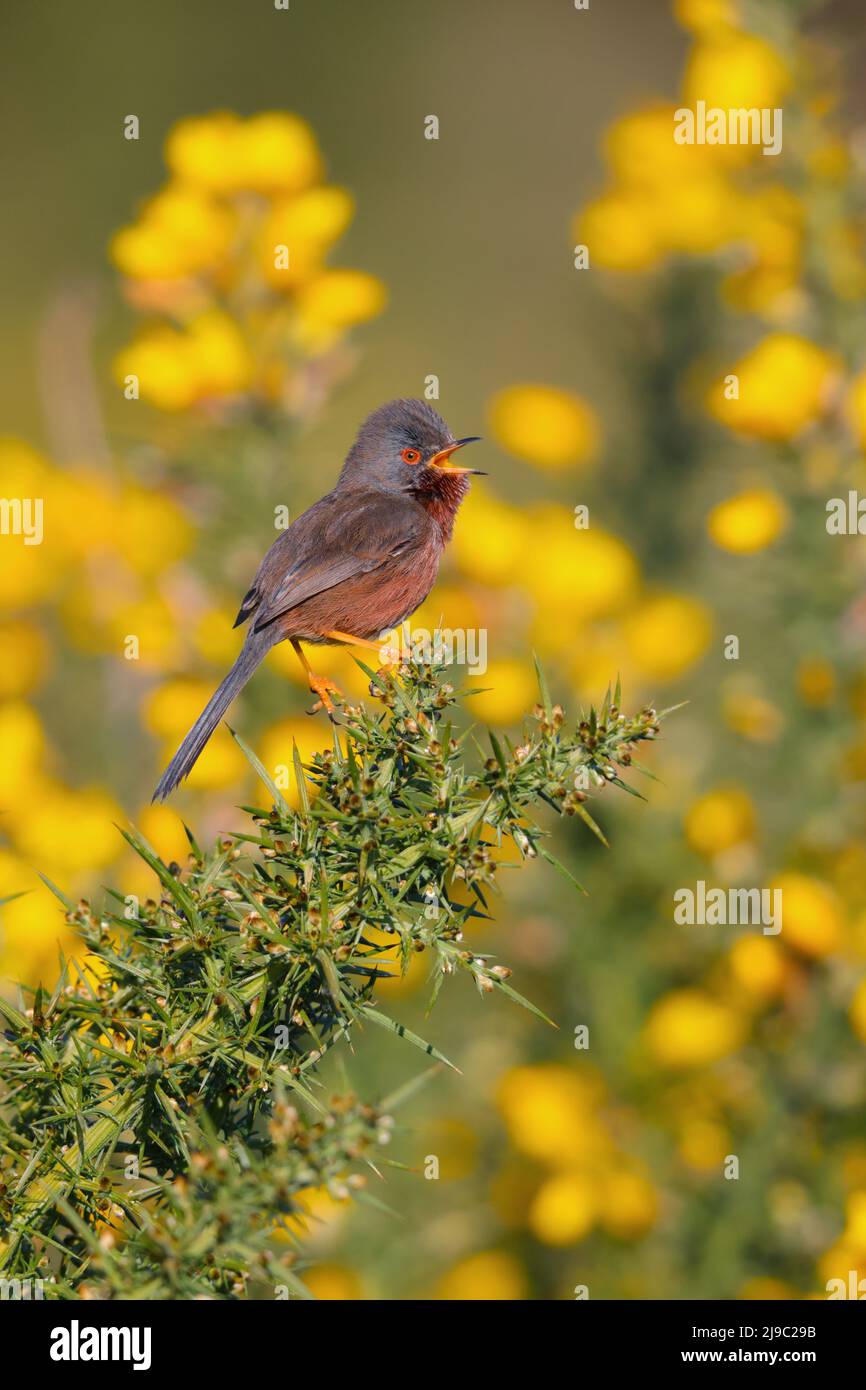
(320,685)
(392,653)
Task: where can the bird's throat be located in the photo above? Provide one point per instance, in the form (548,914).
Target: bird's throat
(440,492)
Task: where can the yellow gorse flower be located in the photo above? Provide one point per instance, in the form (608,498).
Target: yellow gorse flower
(229,262)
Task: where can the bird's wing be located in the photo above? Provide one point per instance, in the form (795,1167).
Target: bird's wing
(329,544)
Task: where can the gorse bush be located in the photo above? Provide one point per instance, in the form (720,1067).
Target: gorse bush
(161,1116)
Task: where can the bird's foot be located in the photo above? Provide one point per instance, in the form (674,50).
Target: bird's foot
(324,689)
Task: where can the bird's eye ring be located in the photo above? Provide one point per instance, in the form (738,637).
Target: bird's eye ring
(410,455)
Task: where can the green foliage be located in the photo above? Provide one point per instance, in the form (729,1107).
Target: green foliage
(160,1113)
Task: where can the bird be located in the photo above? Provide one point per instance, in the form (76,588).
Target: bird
(353,566)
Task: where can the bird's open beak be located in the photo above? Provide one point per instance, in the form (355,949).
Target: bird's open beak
(440,460)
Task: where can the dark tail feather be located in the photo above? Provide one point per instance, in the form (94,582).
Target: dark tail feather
(253,652)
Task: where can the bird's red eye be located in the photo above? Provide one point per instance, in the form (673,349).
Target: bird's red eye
(410,455)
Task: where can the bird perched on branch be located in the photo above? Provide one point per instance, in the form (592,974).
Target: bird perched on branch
(353,566)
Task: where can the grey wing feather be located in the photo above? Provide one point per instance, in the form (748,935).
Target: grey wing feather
(328,546)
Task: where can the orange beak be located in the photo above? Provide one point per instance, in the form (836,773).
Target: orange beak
(440,460)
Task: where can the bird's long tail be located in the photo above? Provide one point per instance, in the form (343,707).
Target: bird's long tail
(251,655)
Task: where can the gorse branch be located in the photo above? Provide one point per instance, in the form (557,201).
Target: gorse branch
(161,1115)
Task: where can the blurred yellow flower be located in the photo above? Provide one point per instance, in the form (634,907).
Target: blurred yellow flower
(331,1282)
(702,1144)
(666,634)
(508,688)
(337,299)
(543,425)
(812,919)
(274,152)
(180,232)
(24,657)
(629,1204)
(32,927)
(816,682)
(733,69)
(22,744)
(549,1112)
(491,535)
(221,764)
(275,751)
(73,831)
(172,707)
(141,514)
(720,819)
(575,576)
(784,384)
(758,965)
(688,1028)
(618,228)
(163,829)
(564,1209)
(706,16)
(750,715)
(856,407)
(306,226)
(489,1275)
(748,521)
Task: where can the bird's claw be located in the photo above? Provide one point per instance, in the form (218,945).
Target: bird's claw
(324,688)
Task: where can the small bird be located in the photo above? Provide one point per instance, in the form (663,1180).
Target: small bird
(355,565)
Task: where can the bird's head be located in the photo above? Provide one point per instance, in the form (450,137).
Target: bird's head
(406,447)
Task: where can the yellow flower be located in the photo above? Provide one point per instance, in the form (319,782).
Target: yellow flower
(22,743)
(812,920)
(330,1282)
(698,215)
(783,386)
(335,300)
(748,521)
(765,1290)
(666,634)
(758,964)
(171,708)
(491,534)
(702,1144)
(706,16)
(176,369)
(74,831)
(564,1209)
(214,637)
(180,232)
(720,819)
(731,69)
(619,229)
(306,226)
(222,764)
(163,828)
(489,1275)
(751,715)
(277,153)
(856,407)
(276,752)
(24,657)
(629,1205)
(816,682)
(204,151)
(549,1112)
(545,426)
(688,1028)
(575,576)
(508,689)
(642,152)
(32,927)
(142,514)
